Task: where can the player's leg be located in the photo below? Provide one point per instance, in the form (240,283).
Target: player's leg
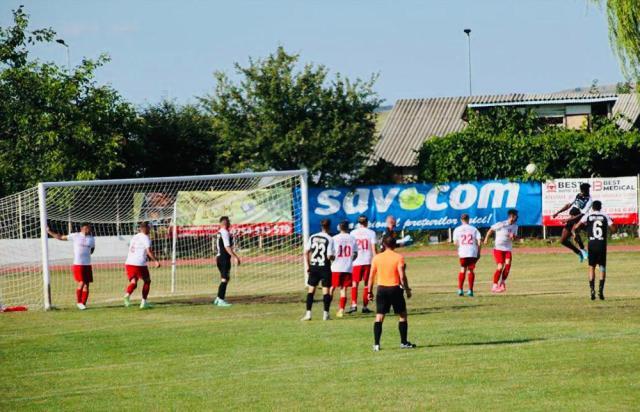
(400,307)
(132,275)
(565,240)
(471,277)
(383,304)
(592,281)
(76,271)
(343,298)
(146,287)
(499,258)
(461,275)
(505,271)
(603,273)
(310,293)
(225,271)
(356,276)
(87,279)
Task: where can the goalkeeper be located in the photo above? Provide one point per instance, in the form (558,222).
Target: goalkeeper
(392,233)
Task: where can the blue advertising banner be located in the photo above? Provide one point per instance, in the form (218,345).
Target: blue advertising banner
(423,206)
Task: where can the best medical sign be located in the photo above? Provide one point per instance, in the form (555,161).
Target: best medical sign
(428,206)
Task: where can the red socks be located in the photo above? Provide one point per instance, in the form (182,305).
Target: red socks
(505,272)
(79,295)
(85,296)
(354,296)
(496,275)
(131,287)
(365,298)
(343,302)
(145,289)
(461,279)
(472,278)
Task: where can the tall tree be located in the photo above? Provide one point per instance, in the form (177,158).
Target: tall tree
(55,123)
(280,116)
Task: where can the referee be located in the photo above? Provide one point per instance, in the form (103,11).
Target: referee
(388,268)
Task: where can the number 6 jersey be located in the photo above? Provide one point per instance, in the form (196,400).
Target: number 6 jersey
(597,228)
(321,247)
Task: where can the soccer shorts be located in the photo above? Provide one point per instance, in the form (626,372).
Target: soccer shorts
(597,256)
(501,256)
(468,262)
(319,275)
(341,279)
(361,273)
(138,272)
(388,297)
(82,273)
(224,267)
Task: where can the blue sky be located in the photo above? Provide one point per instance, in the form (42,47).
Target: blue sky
(170,49)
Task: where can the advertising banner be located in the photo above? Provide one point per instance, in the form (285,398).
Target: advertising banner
(423,206)
(619,197)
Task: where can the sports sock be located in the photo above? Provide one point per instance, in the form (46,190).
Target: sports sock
(343,302)
(377,332)
(601,286)
(309,300)
(496,276)
(145,289)
(579,241)
(326,299)
(461,279)
(592,284)
(354,296)
(85,296)
(365,297)
(131,287)
(472,279)
(79,295)
(403,327)
(567,243)
(505,272)
(222,290)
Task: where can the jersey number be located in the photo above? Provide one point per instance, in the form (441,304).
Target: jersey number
(344,251)
(466,239)
(596,230)
(363,244)
(319,254)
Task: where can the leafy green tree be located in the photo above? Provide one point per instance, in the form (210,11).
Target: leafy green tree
(280,116)
(172,140)
(55,124)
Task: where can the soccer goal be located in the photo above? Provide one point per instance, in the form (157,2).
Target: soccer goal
(268,212)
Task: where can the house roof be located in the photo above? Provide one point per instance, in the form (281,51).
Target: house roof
(412,121)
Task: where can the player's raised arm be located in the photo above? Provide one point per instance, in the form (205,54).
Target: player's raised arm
(562,209)
(58,236)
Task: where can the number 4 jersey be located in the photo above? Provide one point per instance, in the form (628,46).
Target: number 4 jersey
(597,228)
(346,249)
(321,247)
(467,238)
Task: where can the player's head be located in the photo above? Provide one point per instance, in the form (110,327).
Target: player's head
(344,226)
(325,224)
(225,222)
(389,242)
(391,222)
(584,188)
(144,227)
(363,221)
(85,228)
(596,205)
(464,218)
(512,215)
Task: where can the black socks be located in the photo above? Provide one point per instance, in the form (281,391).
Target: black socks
(326,299)
(377,332)
(309,300)
(222,290)
(403,327)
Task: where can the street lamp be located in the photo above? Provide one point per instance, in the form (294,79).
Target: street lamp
(62,42)
(468,33)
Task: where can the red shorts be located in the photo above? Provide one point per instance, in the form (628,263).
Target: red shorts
(468,262)
(137,272)
(340,279)
(361,273)
(82,273)
(500,256)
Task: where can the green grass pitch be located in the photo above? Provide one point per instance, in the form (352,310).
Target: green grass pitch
(543,346)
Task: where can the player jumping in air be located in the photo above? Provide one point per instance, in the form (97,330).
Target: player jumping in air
(319,254)
(346,251)
(469,240)
(225,251)
(577,209)
(506,232)
(136,265)
(366,241)
(84,245)
(388,269)
(598,225)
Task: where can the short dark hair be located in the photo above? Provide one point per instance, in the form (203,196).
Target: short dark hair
(144,225)
(464,217)
(363,220)
(344,225)
(512,212)
(85,224)
(389,242)
(597,205)
(224,218)
(325,224)
(584,187)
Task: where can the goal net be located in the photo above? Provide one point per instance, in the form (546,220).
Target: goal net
(267,212)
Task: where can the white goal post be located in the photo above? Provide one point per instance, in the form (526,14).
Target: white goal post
(268,212)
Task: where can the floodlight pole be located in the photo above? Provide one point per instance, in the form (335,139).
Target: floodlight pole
(468,33)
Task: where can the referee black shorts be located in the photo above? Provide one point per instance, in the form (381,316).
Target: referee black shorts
(388,297)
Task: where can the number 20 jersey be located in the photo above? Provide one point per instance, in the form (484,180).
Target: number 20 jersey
(321,247)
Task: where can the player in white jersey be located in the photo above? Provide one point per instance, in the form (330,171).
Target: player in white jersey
(468,239)
(83,246)
(346,250)
(366,242)
(506,231)
(136,264)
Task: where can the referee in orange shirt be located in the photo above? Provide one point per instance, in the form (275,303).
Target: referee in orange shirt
(389,269)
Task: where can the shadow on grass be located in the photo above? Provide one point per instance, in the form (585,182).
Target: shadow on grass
(488,342)
(207,300)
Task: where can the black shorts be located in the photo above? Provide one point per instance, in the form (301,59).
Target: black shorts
(317,275)
(388,297)
(224,266)
(597,256)
(569,224)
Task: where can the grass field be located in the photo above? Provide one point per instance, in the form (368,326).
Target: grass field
(543,346)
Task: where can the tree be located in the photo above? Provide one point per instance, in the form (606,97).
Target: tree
(278,116)
(55,124)
(172,140)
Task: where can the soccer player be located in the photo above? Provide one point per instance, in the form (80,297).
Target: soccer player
(390,231)
(346,251)
(225,251)
(469,240)
(366,241)
(577,209)
(506,231)
(388,269)
(598,225)
(84,244)
(136,265)
(319,254)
